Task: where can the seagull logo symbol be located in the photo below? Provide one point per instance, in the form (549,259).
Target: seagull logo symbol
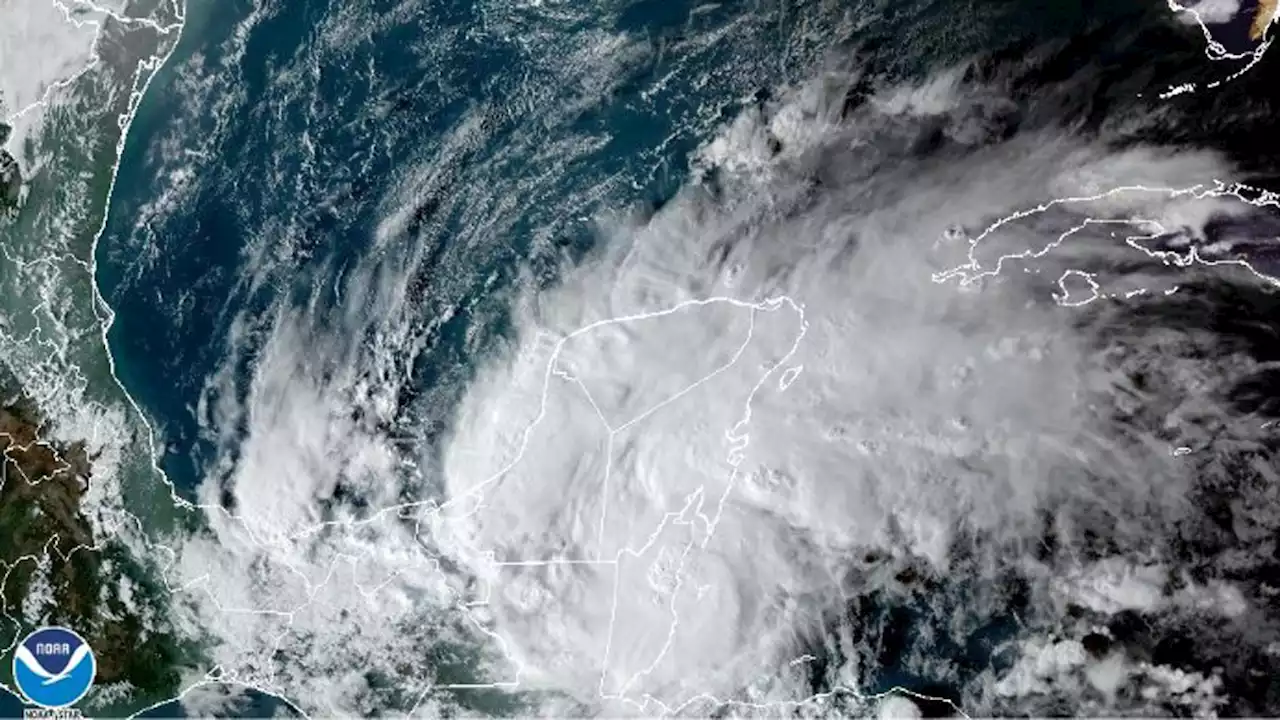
(26,658)
(54,667)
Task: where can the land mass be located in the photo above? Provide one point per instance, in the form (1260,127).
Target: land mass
(56,572)
(1262,18)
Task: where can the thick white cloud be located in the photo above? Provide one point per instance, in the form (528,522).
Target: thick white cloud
(44,44)
(1212,12)
(706,468)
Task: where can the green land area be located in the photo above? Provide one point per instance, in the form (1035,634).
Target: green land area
(56,572)
(79,498)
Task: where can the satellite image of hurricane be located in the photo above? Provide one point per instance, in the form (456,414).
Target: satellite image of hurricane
(640,358)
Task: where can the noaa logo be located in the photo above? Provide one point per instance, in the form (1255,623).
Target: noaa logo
(54,667)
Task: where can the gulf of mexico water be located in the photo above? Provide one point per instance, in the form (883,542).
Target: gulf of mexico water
(285,141)
(272,149)
(472,144)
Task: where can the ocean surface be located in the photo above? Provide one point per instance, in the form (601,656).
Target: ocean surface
(281,136)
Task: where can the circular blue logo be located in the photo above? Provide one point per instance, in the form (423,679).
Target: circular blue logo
(54,667)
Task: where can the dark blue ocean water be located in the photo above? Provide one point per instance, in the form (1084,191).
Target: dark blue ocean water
(267,152)
(293,141)
(10,705)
